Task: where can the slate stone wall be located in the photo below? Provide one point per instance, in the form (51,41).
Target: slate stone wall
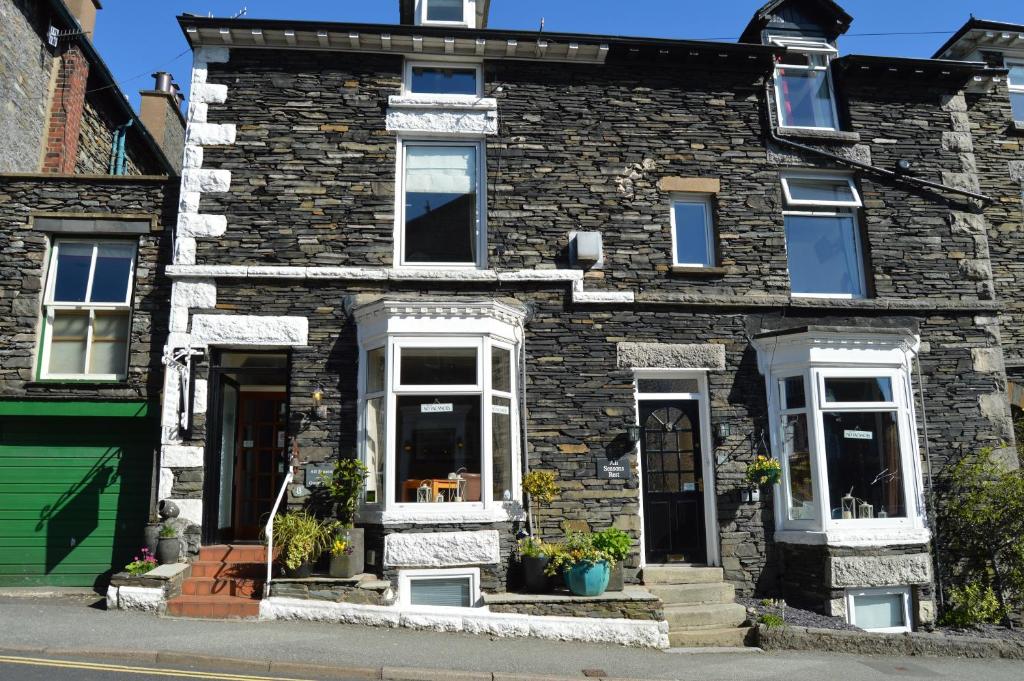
(97,138)
(25,70)
(23,257)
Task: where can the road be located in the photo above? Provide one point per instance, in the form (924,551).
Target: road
(62,669)
(41,628)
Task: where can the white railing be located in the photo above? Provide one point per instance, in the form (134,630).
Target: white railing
(270,528)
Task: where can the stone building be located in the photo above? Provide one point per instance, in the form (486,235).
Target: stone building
(460,253)
(85,195)
(997,124)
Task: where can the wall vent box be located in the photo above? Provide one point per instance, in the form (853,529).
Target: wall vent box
(586,248)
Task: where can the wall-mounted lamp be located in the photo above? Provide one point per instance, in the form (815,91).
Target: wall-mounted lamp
(633,432)
(319,411)
(722,431)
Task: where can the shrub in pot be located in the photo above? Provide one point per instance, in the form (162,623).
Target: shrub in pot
(533,558)
(168,547)
(302,538)
(345,484)
(585,568)
(616,545)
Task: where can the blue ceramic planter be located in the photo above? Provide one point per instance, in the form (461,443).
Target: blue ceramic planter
(588,579)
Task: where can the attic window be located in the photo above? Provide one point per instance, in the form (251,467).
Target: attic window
(446,12)
(804,94)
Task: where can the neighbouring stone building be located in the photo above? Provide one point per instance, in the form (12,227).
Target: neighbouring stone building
(460,253)
(88,199)
(997,125)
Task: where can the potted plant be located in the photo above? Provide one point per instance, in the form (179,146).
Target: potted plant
(168,547)
(344,484)
(764,471)
(585,568)
(302,539)
(142,564)
(616,545)
(541,487)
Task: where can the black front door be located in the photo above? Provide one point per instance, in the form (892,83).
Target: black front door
(673,482)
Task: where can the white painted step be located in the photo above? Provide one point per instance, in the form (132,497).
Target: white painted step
(682,574)
(731,637)
(693,594)
(715,615)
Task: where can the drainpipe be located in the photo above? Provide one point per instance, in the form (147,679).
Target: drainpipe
(117,149)
(889,174)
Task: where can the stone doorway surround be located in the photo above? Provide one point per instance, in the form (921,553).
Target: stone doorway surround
(680,361)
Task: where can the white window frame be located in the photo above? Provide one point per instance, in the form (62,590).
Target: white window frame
(481,220)
(709,228)
(1014,88)
(483,343)
(468,15)
(902,591)
(808,47)
(831,209)
(50,307)
(407,90)
(406,577)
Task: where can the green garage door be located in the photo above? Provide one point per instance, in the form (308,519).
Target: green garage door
(74,496)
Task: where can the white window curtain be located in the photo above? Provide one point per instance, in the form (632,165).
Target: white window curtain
(440,170)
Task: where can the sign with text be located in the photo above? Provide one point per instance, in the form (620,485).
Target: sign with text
(858,435)
(315,470)
(436,408)
(614,469)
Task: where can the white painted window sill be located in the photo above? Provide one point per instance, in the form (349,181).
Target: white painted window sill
(867,537)
(468,102)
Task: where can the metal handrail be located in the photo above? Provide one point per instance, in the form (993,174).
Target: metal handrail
(270,528)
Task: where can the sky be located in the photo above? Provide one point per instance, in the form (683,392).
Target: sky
(138,37)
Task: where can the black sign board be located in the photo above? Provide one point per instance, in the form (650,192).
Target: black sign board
(315,470)
(614,469)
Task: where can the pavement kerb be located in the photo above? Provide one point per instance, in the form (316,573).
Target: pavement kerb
(270,667)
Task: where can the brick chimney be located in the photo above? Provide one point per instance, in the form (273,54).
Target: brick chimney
(85,12)
(160,112)
(61,151)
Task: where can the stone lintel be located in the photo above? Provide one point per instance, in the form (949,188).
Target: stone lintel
(671,356)
(696,185)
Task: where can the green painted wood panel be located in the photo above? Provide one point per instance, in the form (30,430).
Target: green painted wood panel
(74,496)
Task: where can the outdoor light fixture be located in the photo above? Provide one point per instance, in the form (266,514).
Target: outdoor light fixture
(633,432)
(722,431)
(319,408)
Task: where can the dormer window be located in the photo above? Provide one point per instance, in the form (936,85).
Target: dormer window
(803,85)
(1016,86)
(446,12)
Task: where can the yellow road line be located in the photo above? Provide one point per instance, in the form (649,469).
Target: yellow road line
(179,673)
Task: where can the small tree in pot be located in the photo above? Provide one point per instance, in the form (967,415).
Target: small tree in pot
(348,548)
(533,552)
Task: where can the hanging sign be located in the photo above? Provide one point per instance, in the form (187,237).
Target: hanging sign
(437,408)
(614,469)
(858,435)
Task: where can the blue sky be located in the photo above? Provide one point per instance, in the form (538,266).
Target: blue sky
(138,37)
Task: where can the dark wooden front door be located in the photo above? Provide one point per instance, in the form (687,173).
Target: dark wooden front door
(673,482)
(260,442)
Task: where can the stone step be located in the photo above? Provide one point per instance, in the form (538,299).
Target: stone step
(682,574)
(692,594)
(212,586)
(732,637)
(213,607)
(234,553)
(713,615)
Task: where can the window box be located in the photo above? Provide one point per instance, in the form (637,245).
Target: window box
(87,307)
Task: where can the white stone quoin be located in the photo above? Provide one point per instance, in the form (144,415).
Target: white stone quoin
(441,549)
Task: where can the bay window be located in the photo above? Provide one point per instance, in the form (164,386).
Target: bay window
(440,211)
(823,245)
(438,413)
(87,307)
(803,85)
(843,427)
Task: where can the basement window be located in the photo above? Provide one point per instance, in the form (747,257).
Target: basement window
(88,310)
(1016,85)
(884,611)
(804,94)
(440,588)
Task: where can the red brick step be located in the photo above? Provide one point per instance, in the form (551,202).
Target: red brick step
(211,586)
(213,607)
